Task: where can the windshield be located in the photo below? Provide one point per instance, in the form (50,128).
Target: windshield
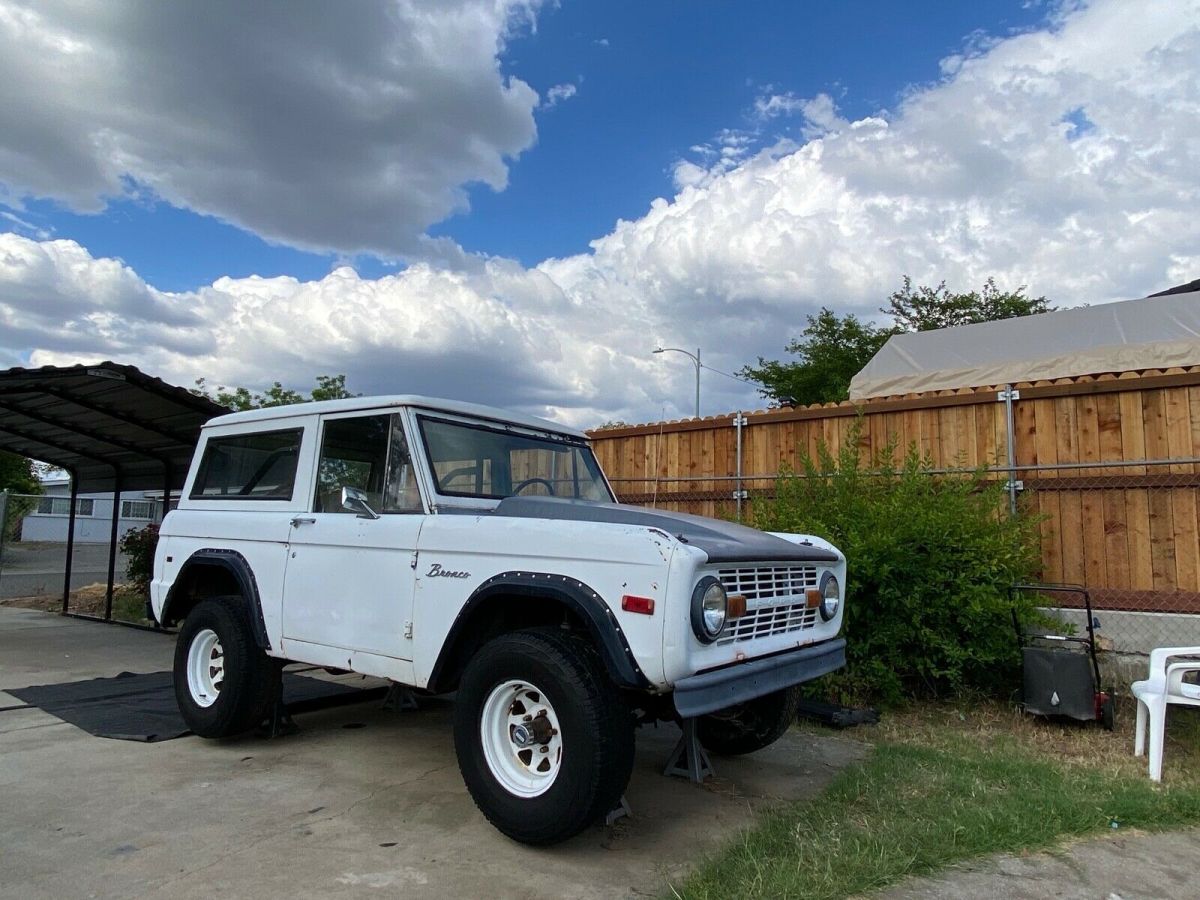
(493,463)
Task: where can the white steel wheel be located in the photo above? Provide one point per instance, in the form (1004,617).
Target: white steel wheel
(521,739)
(205,667)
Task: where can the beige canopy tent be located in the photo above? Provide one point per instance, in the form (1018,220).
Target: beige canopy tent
(1155,332)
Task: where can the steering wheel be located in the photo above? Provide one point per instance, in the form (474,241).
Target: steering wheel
(444,481)
(520,486)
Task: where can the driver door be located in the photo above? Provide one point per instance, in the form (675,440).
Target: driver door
(349,581)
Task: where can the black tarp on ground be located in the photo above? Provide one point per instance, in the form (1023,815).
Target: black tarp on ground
(133,707)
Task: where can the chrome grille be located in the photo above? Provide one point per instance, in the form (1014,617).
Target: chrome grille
(767,621)
(768,582)
(768,590)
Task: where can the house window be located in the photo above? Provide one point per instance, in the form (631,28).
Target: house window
(61,506)
(137,509)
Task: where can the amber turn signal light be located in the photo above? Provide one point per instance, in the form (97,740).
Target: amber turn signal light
(735,606)
(812,598)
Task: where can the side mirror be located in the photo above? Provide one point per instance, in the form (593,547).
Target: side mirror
(356,501)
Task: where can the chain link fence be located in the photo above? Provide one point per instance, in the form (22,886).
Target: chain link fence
(1129,534)
(34,554)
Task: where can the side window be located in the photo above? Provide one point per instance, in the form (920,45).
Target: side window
(402,493)
(258,466)
(369,453)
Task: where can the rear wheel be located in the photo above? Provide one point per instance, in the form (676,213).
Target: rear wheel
(749,726)
(223,681)
(544,740)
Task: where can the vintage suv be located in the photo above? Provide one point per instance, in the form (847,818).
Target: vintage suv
(453,547)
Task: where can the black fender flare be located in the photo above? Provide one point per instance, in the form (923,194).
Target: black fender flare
(587,604)
(236,565)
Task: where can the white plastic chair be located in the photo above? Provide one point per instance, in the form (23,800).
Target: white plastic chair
(1164,686)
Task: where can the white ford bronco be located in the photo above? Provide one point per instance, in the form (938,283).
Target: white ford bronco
(451,547)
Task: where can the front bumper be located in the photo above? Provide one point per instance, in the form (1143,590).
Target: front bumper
(698,695)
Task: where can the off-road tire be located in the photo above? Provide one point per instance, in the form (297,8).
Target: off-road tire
(749,726)
(596,725)
(249,674)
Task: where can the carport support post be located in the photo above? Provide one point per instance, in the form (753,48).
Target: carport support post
(112,546)
(70,543)
(3,525)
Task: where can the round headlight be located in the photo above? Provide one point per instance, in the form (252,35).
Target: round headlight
(709,608)
(831,596)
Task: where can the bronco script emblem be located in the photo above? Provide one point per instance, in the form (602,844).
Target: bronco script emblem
(436,571)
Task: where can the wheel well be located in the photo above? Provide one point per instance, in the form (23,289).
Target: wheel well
(500,613)
(197,582)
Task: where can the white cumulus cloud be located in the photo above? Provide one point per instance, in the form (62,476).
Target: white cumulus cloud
(559,93)
(328,126)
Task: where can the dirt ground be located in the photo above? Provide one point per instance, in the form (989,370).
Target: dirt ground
(88,600)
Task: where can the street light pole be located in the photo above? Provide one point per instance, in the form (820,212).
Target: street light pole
(695,358)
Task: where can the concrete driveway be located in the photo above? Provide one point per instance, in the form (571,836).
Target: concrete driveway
(362,802)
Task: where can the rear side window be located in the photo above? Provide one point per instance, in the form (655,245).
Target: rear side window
(258,466)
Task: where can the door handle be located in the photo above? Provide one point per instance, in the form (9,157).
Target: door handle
(303,520)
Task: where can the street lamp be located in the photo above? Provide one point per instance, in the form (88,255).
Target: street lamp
(695,358)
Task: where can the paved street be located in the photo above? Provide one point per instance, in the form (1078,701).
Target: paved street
(30,569)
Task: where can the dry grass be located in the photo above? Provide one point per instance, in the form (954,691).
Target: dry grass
(996,727)
(88,600)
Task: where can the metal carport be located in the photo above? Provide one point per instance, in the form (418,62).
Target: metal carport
(110,427)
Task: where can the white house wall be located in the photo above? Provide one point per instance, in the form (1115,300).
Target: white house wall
(93,529)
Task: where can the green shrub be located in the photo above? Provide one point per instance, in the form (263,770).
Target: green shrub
(16,509)
(930,558)
(138,545)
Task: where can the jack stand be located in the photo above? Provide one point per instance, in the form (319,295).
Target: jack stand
(399,697)
(620,811)
(278,723)
(689,759)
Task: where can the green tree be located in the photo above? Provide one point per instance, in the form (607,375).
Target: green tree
(18,474)
(831,351)
(924,308)
(328,387)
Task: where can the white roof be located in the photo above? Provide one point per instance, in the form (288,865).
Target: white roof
(434,404)
(1150,333)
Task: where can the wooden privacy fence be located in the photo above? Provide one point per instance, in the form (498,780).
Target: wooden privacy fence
(1111,461)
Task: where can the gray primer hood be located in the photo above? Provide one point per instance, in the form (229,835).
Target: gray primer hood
(722,541)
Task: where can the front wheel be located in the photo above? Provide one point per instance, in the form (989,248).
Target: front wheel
(749,726)
(544,740)
(223,681)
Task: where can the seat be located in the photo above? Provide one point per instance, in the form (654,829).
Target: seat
(1163,687)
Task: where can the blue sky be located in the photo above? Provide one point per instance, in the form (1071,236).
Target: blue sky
(653,79)
(675,74)
(515,201)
